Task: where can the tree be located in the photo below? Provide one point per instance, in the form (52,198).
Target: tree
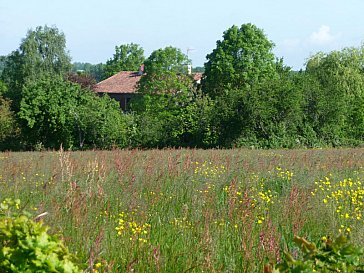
(238,76)
(171,112)
(243,58)
(100,123)
(86,81)
(2,63)
(7,120)
(174,120)
(127,57)
(46,111)
(8,124)
(43,50)
(94,70)
(336,107)
(166,72)
(56,112)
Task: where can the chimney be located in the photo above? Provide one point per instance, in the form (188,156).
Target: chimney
(141,70)
(189,69)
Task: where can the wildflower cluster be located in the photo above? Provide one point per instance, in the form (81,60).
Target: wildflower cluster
(97,267)
(262,199)
(284,174)
(208,170)
(207,187)
(128,227)
(256,200)
(181,223)
(8,205)
(105,216)
(347,198)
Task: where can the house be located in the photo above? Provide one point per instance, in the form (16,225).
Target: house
(123,86)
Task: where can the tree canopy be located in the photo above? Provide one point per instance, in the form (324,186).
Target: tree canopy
(248,97)
(42,51)
(166,72)
(336,107)
(127,57)
(244,57)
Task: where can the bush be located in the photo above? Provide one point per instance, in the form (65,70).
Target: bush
(337,255)
(25,245)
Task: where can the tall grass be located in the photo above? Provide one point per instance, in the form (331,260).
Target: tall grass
(183,210)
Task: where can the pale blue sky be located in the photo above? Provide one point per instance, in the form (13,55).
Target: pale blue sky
(93,28)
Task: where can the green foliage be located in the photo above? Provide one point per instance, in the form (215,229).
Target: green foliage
(2,63)
(43,50)
(46,111)
(265,115)
(243,58)
(127,57)
(256,100)
(336,99)
(99,122)
(250,99)
(171,111)
(166,72)
(94,70)
(56,112)
(337,255)
(26,246)
(198,69)
(7,120)
(173,120)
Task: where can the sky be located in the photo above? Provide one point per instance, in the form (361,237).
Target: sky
(94,27)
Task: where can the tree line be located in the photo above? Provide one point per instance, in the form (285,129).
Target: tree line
(247,97)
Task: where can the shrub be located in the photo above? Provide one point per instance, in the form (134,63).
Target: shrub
(25,245)
(337,255)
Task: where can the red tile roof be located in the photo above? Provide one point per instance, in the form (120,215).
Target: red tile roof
(126,82)
(122,82)
(197,76)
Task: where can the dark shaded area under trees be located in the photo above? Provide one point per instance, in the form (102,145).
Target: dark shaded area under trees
(247,98)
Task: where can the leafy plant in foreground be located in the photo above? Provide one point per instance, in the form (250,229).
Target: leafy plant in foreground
(337,255)
(25,245)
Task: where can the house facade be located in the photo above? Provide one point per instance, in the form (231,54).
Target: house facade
(123,86)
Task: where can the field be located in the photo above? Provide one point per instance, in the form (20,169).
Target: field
(188,210)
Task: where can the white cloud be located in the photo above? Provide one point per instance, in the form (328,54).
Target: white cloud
(323,36)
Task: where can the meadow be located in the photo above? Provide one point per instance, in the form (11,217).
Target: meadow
(188,210)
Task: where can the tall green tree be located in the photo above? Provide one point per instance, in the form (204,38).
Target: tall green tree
(43,50)
(46,111)
(127,57)
(336,107)
(237,76)
(166,72)
(55,112)
(244,57)
(171,110)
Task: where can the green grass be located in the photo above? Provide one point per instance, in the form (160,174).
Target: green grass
(234,214)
